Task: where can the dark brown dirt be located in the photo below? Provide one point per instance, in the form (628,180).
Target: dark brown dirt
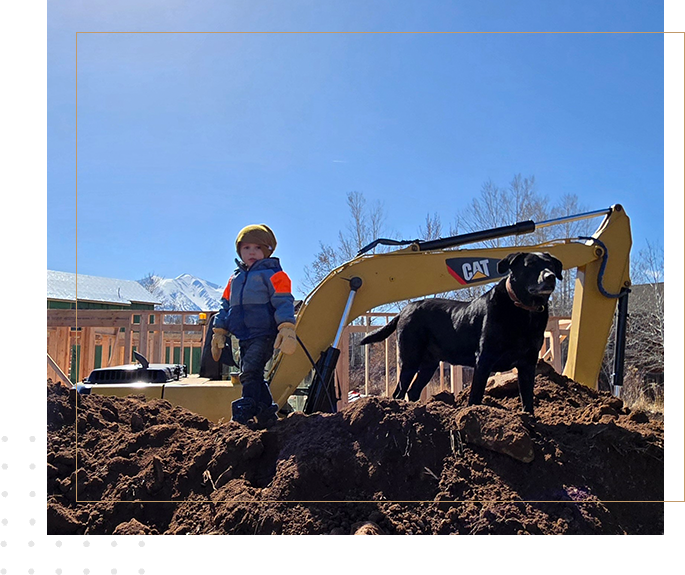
(583,465)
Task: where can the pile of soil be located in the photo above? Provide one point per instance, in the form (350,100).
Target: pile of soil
(585,464)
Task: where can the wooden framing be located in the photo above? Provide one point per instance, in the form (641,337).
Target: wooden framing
(117,333)
(558,329)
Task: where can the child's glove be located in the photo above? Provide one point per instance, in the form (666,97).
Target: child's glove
(286,340)
(218,342)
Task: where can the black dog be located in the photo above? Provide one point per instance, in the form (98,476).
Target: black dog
(502,329)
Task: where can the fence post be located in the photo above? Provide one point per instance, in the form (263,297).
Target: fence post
(457,379)
(366,359)
(128,345)
(556,345)
(387,365)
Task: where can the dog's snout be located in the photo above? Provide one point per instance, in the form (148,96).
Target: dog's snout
(546,283)
(548,277)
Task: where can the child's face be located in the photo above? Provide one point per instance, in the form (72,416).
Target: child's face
(250,253)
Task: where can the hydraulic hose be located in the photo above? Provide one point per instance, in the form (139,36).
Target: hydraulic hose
(602,268)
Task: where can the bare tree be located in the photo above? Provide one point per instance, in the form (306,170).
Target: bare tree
(645,344)
(325,260)
(432,227)
(150,282)
(496,207)
(562,300)
(648,266)
(365,224)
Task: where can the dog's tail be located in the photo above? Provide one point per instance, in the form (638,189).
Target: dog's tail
(381,333)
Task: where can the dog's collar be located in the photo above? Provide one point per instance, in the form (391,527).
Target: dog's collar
(518,303)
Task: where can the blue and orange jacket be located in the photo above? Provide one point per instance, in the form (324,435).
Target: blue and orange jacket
(256,300)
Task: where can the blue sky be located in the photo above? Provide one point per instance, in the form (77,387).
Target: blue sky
(185,138)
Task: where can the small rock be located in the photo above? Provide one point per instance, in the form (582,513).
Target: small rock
(63,485)
(639,416)
(615,403)
(444,397)
(157,475)
(496,430)
(137,422)
(94,422)
(366,528)
(132,527)
(108,413)
(503,385)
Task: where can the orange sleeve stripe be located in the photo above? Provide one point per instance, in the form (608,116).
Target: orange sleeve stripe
(281,282)
(227,291)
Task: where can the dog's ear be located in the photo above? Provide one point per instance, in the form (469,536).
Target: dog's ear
(557,266)
(504,265)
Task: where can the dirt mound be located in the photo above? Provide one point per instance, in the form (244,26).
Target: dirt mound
(379,466)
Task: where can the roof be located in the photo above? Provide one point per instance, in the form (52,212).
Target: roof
(62,286)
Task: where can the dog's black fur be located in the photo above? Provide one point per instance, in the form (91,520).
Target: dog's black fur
(495,332)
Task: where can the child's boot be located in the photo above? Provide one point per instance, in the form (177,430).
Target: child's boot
(266,416)
(244,409)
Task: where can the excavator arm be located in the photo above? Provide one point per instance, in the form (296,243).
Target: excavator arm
(369,281)
(421,269)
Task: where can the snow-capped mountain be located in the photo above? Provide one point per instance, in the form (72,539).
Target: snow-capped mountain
(184,293)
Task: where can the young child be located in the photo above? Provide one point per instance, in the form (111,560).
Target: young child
(257,308)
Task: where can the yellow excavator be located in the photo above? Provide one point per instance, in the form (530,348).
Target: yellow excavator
(421,268)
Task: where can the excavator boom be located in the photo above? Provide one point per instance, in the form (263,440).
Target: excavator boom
(413,272)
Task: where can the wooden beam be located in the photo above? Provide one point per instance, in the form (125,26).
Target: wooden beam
(366,361)
(60,374)
(128,345)
(556,347)
(142,342)
(114,353)
(180,357)
(159,341)
(88,318)
(87,352)
(387,369)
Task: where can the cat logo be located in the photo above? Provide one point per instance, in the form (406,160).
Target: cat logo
(470,270)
